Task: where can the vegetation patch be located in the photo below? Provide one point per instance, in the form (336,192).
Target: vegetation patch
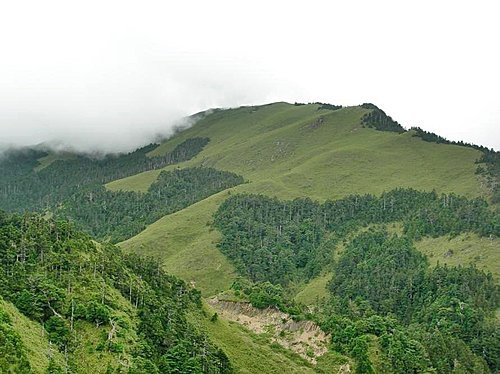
(119,215)
(377,119)
(93,301)
(23,188)
(283,241)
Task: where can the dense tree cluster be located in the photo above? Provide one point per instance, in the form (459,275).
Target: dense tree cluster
(380,277)
(23,188)
(62,279)
(492,172)
(379,120)
(328,106)
(279,241)
(118,215)
(267,295)
(434,138)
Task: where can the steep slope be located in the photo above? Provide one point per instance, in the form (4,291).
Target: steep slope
(34,344)
(304,247)
(304,151)
(64,295)
(293,151)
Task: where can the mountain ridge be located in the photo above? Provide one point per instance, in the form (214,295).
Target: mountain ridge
(305,158)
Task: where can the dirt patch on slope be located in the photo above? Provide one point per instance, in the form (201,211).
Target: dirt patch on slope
(302,337)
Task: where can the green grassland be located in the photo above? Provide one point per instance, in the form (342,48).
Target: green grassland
(291,151)
(283,150)
(465,249)
(187,245)
(315,290)
(33,338)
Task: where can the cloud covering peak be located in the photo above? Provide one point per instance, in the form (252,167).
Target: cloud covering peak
(112,75)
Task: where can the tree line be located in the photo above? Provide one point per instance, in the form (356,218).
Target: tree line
(119,215)
(282,241)
(23,188)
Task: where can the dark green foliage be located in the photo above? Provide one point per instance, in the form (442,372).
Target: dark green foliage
(15,163)
(382,275)
(386,272)
(448,354)
(279,241)
(66,277)
(328,106)
(120,215)
(58,331)
(267,295)
(379,120)
(434,138)
(359,350)
(21,188)
(430,136)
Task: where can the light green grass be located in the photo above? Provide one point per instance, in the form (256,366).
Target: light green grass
(464,249)
(315,290)
(51,157)
(275,144)
(255,353)
(277,150)
(139,182)
(33,338)
(186,244)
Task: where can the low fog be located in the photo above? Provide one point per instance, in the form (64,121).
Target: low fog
(112,76)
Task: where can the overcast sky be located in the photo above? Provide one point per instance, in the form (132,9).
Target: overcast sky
(109,75)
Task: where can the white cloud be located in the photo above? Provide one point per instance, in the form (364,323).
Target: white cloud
(109,75)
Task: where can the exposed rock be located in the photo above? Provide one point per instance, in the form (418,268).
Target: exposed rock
(303,337)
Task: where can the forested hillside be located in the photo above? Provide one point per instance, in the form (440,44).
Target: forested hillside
(24,188)
(280,241)
(99,309)
(383,291)
(267,205)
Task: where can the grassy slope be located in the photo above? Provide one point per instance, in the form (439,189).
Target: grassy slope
(51,157)
(280,151)
(464,249)
(188,244)
(254,353)
(315,290)
(33,338)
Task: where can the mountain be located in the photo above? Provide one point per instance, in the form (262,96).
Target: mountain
(384,239)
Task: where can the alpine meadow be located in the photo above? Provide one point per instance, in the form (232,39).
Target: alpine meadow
(278,238)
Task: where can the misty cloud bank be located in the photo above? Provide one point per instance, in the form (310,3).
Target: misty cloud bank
(116,110)
(112,76)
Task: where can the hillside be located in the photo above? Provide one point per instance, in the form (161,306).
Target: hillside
(293,151)
(69,304)
(337,218)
